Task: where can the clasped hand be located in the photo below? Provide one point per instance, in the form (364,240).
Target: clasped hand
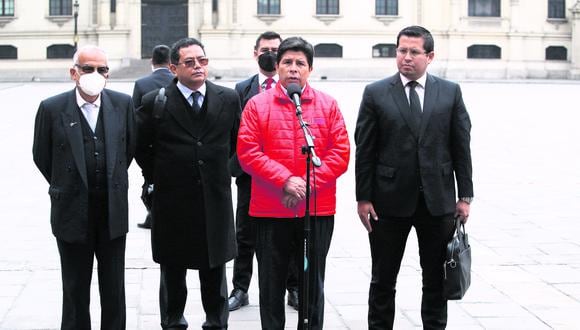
(294,191)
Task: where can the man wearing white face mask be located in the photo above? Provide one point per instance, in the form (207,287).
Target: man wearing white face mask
(84,142)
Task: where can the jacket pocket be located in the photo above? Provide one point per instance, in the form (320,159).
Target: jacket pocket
(54,193)
(386,171)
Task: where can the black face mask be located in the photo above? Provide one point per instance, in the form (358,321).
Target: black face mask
(267,61)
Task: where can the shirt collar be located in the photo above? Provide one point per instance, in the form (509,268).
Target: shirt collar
(81,101)
(262,78)
(421,81)
(161,68)
(186,91)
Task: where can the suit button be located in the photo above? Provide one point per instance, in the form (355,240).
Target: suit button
(200,162)
(96,154)
(199,143)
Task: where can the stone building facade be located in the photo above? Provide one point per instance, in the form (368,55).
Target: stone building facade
(354,39)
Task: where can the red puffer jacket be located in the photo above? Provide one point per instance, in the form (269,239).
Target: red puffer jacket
(269,149)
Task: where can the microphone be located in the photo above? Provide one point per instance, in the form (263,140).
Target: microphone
(294,91)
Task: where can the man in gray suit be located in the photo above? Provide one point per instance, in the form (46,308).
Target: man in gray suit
(83,144)
(160,77)
(412,136)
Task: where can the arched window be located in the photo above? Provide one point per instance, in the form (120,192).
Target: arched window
(328,50)
(486,8)
(60,51)
(558,53)
(385,50)
(483,51)
(8,52)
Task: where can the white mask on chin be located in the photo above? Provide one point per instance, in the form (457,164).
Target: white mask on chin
(92,84)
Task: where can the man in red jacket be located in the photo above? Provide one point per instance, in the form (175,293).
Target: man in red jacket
(269,148)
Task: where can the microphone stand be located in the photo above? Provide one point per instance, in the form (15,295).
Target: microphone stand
(308,150)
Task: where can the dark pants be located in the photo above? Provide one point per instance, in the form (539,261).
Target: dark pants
(246,239)
(274,242)
(388,240)
(173,295)
(76,262)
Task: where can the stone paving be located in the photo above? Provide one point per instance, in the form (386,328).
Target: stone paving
(524,227)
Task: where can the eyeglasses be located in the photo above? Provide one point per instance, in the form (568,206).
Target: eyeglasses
(412,52)
(91,69)
(190,62)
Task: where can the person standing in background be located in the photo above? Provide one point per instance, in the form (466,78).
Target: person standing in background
(160,77)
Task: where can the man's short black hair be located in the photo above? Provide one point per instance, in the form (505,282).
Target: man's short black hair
(160,55)
(183,43)
(417,31)
(268,35)
(296,44)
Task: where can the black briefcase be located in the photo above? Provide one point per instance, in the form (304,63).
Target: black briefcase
(457,266)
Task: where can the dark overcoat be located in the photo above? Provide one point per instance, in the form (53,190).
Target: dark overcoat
(181,163)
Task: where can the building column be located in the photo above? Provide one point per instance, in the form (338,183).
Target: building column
(104,15)
(574,53)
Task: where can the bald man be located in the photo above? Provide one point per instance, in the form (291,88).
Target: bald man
(83,144)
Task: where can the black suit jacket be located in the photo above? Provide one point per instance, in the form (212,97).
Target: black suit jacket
(58,152)
(156,79)
(246,90)
(169,165)
(395,160)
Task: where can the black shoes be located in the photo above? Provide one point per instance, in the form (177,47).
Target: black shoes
(147,223)
(293,299)
(238,299)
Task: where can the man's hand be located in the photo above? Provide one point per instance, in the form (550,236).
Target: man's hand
(296,187)
(462,210)
(365,212)
(289,201)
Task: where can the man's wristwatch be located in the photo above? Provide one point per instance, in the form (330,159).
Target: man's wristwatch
(468,200)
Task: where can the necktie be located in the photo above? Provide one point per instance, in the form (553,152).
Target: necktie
(91,113)
(268,83)
(414,102)
(195,101)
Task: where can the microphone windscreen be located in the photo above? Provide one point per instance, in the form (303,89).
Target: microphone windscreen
(294,88)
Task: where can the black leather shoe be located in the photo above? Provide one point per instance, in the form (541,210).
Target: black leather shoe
(293,299)
(238,299)
(147,223)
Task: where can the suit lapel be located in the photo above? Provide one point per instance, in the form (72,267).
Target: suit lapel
(403,104)
(71,121)
(431,95)
(254,87)
(177,109)
(251,90)
(214,106)
(111,121)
